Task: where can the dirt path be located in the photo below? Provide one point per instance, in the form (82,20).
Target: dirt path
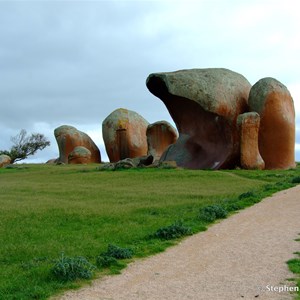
(240,258)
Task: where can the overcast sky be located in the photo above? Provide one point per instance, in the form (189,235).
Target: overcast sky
(74,62)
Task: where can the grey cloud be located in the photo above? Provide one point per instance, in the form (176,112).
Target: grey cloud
(73,62)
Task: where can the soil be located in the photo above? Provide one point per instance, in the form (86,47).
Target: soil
(242,257)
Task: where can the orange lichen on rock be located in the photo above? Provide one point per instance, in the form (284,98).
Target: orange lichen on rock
(160,135)
(204,104)
(276,140)
(4,160)
(68,138)
(124,135)
(80,155)
(248,124)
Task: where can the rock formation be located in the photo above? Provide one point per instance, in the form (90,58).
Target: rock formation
(124,135)
(80,155)
(160,135)
(204,104)
(4,160)
(276,139)
(68,138)
(248,124)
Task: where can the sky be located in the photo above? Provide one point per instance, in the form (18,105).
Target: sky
(74,62)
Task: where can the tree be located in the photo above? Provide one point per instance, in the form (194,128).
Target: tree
(25,145)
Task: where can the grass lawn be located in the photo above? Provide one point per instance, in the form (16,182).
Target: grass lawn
(76,210)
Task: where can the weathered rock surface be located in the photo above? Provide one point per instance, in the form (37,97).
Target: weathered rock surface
(204,104)
(4,160)
(248,124)
(160,135)
(68,138)
(276,140)
(80,155)
(124,135)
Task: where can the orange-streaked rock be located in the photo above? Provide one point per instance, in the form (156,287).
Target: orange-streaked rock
(80,155)
(68,137)
(248,124)
(4,160)
(276,140)
(160,135)
(124,135)
(204,104)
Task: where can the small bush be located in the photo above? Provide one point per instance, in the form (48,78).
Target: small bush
(117,252)
(296,179)
(212,212)
(173,231)
(72,268)
(247,195)
(105,261)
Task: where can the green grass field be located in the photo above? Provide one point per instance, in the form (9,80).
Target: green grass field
(77,210)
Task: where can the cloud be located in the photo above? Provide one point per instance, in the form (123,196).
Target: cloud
(74,62)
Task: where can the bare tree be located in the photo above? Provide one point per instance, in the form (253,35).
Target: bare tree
(25,145)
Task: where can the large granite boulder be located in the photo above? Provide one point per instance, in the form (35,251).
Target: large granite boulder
(68,138)
(160,135)
(248,124)
(204,104)
(79,155)
(276,140)
(124,135)
(4,160)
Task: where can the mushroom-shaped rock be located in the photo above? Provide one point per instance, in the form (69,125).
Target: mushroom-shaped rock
(204,104)
(160,135)
(124,135)
(80,155)
(276,139)
(4,160)
(248,124)
(68,137)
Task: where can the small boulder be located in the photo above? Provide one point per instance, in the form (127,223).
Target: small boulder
(276,140)
(248,124)
(51,161)
(80,155)
(68,138)
(160,135)
(124,135)
(4,160)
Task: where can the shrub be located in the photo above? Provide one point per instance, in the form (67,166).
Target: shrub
(296,179)
(117,252)
(173,231)
(105,261)
(72,268)
(247,195)
(212,212)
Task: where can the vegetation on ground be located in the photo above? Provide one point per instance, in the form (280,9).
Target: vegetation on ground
(47,210)
(294,266)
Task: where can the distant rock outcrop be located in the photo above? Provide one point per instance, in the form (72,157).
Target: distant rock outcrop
(68,138)
(4,160)
(124,135)
(276,139)
(204,104)
(160,135)
(128,163)
(248,124)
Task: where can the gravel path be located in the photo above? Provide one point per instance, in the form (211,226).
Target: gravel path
(242,257)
